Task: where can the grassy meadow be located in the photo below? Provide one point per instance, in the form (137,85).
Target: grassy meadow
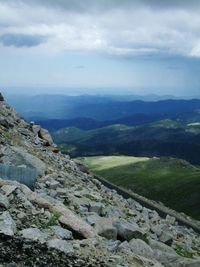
(174,182)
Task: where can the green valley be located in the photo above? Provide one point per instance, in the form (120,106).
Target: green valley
(160,138)
(174,182)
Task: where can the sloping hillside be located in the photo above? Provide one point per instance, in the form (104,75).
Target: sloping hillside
(160,138)
(72,219)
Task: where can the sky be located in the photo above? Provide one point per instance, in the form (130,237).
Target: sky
(137,46)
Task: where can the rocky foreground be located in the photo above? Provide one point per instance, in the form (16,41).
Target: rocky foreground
(71,219)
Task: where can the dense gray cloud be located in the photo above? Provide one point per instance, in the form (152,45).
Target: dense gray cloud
(114,27)
(21,40)
(99,5)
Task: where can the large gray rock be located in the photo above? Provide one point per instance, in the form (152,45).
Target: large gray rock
(60,232)
(7,224)
(156,245)
(163,253)
(33,234)
(5,123)
(95,207)
(166,237)
(35,129)
(53,184)
(45,135)
(163,232)
(92,219)
(184,262)
(157,229)
(4,202)
(112,212)
(139,247)
(22,157)
(61,245)
(113,245)
(124,246)
(170,219)
(105,228)
(128,231)
(8,189)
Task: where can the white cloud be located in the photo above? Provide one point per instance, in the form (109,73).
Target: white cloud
(116,30)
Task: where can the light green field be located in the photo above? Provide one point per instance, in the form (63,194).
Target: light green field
(106,162)
(172,181)
(194,124)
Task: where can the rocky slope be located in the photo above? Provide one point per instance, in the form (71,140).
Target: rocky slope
(71,219)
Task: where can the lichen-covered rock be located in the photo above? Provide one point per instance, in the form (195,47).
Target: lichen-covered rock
(128,231)
(105,228)
(61,233)
(4,202)
(61,245)
(33,234)
(22,157)
(8,189)
(7,224)
(139,247)
(45,135)
(95,207)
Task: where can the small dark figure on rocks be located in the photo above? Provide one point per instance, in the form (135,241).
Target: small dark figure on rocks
(1,97)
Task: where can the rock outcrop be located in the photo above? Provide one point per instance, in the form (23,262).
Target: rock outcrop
(72,219)
(1,97)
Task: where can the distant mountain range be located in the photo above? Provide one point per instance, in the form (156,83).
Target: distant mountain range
(161,138)
(102,108)
(106,125)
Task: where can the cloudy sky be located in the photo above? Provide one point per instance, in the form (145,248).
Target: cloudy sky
(143,46)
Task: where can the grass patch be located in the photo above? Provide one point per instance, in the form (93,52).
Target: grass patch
(52,220)
(90,197)
(183,252)
(107,162)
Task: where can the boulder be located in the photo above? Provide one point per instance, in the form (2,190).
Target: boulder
(139,247)
(184,262)
(92,219)
(45,135)
(4,202)
(23,157)
(105,228)
(33,234)
(156,245)
(1,97)
(60,232)
(61,245)
(35,128)
(163,253)
(5,123)
(166,237)
(113,245)
(95,207)
(128,231)
(8,189)
(7,224)
(53,184)
(170,219)
(124,246)
(157,229)
(163,233)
